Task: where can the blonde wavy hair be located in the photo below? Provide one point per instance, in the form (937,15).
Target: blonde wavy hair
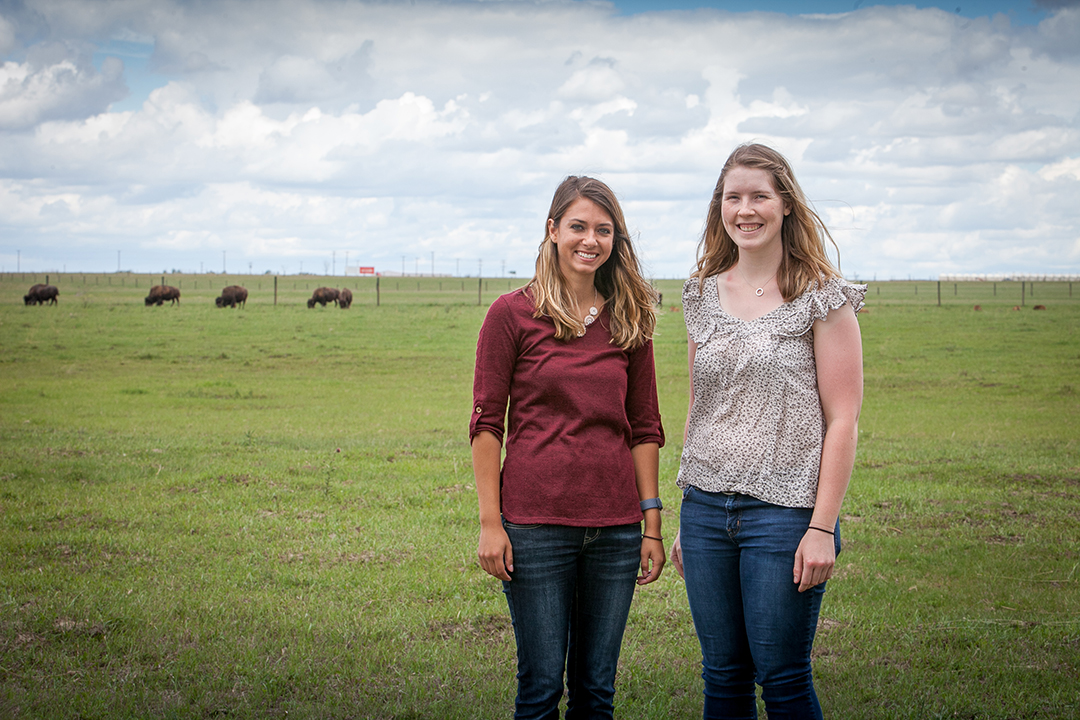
(629,297)
(805,262)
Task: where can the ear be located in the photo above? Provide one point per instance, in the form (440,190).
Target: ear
(553,231)
(787,209)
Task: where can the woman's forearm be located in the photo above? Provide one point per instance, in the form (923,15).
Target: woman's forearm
(487,460)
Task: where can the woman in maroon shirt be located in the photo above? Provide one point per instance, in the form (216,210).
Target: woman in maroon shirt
(567,363)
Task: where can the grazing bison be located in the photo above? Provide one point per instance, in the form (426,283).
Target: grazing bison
(322,296)
(160,294)
(40,294)
(345,298)
(232,296)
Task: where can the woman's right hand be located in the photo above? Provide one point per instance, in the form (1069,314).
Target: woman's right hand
(495,552)
(676,553)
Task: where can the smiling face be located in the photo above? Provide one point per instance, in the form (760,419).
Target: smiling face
(752,210)
(584,238)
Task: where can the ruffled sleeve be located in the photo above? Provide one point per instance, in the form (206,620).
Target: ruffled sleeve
(835,293)
(817,302)
(699,321)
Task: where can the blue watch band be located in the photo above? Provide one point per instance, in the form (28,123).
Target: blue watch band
(651,503)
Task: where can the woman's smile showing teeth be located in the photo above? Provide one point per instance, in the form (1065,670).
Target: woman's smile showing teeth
(584,235)
(752,211)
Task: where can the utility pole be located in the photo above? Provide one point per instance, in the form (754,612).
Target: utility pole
(222,262)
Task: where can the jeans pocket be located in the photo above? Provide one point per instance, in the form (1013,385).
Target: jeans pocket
(515,526)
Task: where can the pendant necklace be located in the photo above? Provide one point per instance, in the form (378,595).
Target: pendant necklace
(591,317)
(757,291)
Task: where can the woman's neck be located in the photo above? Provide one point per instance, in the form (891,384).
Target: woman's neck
(759,266)
(583,291)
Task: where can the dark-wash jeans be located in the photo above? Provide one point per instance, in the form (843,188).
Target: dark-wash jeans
(752,622)
(569,597)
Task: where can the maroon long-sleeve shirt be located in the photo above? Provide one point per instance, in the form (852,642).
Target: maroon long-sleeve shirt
(575,410)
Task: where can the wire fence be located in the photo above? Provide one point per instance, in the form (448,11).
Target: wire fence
(286,290)
(119,288)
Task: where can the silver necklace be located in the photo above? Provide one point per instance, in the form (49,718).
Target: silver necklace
(757,291)
(591,317)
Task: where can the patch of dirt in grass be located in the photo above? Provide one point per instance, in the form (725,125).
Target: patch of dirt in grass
(482,630)
(1005,540)
(287,558)
(237,479)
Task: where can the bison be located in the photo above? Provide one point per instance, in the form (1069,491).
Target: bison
(322,296)
(345,298)
(232,296)
(160,294)
(40,294)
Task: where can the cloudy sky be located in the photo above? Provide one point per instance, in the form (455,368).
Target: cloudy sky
(428,136)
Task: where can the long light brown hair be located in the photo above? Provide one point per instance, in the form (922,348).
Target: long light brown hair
(629,297)
(803,234)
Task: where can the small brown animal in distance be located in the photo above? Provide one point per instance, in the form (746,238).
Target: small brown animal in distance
(232,296)
(41,294)
(1016,307)
(1039,307)
(345,298)
(978,307)
(161,294)
(322,296)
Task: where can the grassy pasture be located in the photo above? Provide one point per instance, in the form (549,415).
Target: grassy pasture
(269,512)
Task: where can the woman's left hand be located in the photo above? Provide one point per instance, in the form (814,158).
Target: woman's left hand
(814,560)
(652,560)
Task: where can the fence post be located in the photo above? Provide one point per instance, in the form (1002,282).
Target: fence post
(1023,284)
(275,291)
(479,291)
(378,299)
(939,293)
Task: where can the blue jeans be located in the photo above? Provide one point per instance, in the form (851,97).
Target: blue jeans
(752,622)
(569,598)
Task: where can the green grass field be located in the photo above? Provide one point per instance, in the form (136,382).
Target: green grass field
(268,512)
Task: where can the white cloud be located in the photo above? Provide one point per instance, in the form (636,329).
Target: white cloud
(62,90)
(284,132)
